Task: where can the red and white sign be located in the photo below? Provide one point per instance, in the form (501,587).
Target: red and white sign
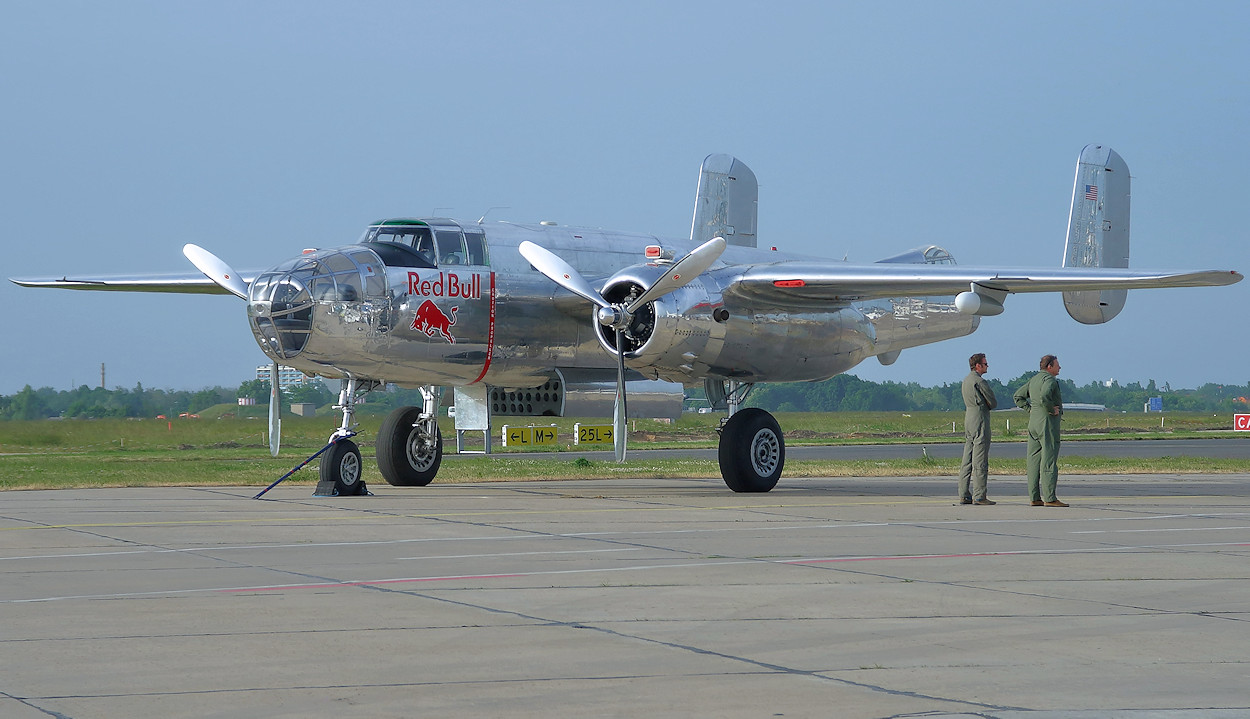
(1241,422)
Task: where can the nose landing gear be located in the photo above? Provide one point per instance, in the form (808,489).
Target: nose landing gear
(342,472)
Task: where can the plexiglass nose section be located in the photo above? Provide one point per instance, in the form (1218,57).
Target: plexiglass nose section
(280,308)
(283,303)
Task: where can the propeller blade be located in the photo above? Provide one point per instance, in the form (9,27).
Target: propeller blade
(560,272)
(618,408)
(681,272)
(215,269)
(275,411)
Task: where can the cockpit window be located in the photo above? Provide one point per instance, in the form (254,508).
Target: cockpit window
(475,244)
(411,235)
(426,243)
(451,248)
(935,255)
(401,244)
(417,238)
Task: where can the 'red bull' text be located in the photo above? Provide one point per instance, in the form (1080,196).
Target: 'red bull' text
(447,284)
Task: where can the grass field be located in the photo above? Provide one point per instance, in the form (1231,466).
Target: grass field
(234,451)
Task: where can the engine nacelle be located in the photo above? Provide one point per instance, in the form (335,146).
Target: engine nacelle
(694,332)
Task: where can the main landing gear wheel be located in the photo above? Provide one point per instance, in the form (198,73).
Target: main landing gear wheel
(407,456)
(752,451)
(341,465)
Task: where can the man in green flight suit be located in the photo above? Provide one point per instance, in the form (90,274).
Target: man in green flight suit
(1045,404)
(979,399)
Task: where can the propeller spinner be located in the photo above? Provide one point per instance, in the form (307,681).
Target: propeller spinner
(618,316)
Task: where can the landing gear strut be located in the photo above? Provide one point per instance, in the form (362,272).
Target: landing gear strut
(727,394)
(410,444)
(342,472)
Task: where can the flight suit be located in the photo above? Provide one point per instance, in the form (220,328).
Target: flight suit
(974,470)
(1040,395)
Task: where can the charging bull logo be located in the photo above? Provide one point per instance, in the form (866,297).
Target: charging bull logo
(431,319)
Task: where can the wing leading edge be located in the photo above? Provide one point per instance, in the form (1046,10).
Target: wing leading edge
(182,283)
(802,283)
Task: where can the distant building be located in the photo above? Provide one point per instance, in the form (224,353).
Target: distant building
(304,409)
(287,376)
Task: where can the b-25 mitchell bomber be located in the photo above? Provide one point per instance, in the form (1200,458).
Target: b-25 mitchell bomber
(522,319)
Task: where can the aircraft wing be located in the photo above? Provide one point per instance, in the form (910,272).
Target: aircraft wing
(804,283)
(193,283)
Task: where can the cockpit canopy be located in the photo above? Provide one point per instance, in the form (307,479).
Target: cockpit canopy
(927,255)
(426,243)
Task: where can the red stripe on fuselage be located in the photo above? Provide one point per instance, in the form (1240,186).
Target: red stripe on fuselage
(490,332)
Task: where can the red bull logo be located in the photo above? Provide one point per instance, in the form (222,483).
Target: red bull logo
(431,319)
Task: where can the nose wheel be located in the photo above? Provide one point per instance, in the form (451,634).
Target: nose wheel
(341,465)
(342,472)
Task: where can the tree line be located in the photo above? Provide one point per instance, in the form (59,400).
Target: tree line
(848,393)
(97,402)
(843,393)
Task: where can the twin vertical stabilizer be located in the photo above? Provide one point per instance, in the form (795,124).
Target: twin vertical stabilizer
(727,202)
(1098,230)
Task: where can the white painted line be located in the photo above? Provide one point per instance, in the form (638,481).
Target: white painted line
(520,554)
(594,570)
(1160,529)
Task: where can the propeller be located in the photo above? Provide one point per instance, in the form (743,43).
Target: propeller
(275,410)
(215,269)
(619,412)
(619,316)
(223,274)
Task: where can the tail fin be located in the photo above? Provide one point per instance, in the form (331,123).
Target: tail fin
(726,204)
(1098,230)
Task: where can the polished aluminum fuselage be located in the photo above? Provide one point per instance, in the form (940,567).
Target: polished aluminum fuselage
(504,324)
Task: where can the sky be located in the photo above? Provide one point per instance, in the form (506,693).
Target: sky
(256,129)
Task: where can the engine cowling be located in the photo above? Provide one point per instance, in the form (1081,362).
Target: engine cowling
(667,337)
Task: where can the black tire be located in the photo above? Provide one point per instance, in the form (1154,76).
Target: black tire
(341,464)
(752,451)
(405,457)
